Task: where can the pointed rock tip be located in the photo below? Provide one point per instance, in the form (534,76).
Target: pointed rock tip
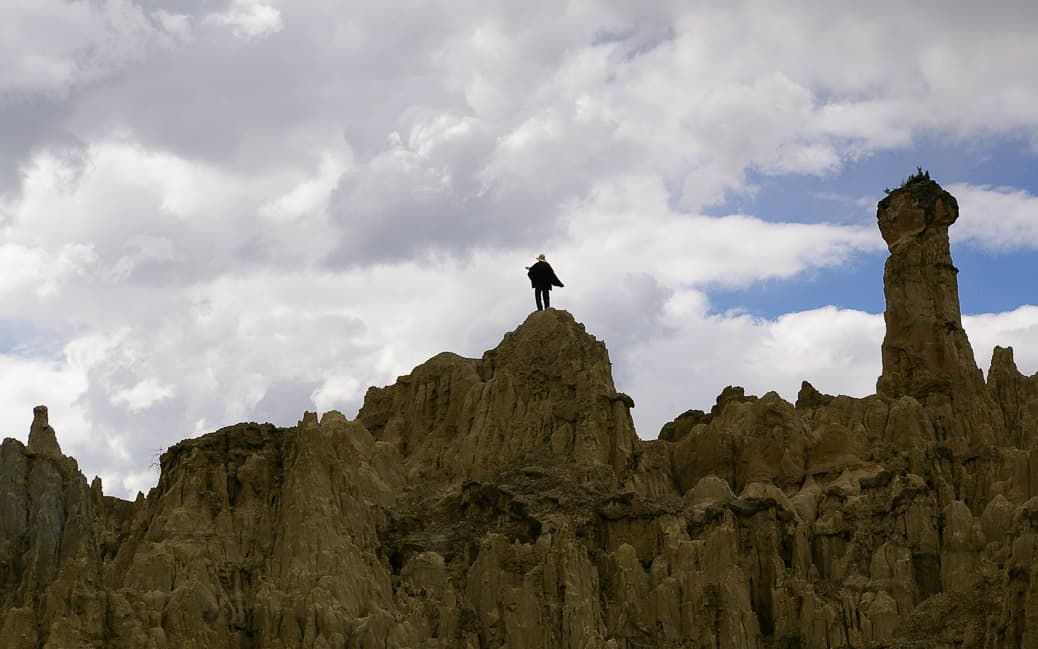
(1002,355)
(552,318)
(552,324)
(553,333)
(731,394)
(1002,362)
(810,397)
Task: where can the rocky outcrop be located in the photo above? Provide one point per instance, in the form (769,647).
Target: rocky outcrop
(546,389)
(258,537)
(506,502)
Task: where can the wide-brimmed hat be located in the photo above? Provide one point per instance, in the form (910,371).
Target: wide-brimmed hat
(540,257)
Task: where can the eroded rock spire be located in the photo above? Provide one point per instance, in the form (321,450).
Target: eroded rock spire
(42,439)
(925,350)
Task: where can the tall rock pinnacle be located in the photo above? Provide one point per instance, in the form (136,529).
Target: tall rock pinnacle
(42,439)
(925,350)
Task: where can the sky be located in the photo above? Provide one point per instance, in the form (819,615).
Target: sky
(216,211)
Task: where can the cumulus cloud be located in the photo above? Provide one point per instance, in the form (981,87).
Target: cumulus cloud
(628,226)
(27,381)
(51,46)
(996,218)
(177,26)
(1016,329)
(250,19)
(41,272)
(142,395)
(697,355)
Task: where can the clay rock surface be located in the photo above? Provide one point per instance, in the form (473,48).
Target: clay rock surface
(546,389)
(505,502)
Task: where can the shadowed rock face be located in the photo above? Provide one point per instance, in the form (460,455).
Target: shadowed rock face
(506,502)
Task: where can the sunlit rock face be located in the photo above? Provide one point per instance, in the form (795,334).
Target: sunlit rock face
(505,501)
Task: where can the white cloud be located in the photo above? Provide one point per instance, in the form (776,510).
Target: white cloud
(41,272)
(50,46)
(996,218)
(142,395)
(334,391)
(695,355)
(1017,329)
(140,250)
(310,197)
(123,209)
(250,19)
(136,482)
(627,226)
(178,26)
(26,382)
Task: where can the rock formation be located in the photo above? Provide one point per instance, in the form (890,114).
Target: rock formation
(506,502)
(926,353)
(547,388)
(925,350)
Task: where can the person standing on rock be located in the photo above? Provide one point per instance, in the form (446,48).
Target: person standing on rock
(542,277)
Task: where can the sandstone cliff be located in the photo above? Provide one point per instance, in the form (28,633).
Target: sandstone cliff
(506,502)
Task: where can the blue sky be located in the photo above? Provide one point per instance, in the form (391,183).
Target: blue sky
(215,211)
(988,281)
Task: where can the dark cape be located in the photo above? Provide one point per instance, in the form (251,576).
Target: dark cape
(542,276)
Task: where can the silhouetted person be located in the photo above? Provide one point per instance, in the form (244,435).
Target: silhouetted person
(542,277)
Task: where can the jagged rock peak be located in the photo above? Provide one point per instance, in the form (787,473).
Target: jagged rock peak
(674,430)
(42,438)
(547,388)
(1017,396)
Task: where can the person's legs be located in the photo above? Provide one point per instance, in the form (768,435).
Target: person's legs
(537,297)
(547,298)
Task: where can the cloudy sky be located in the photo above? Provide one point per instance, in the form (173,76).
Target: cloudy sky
(214,211)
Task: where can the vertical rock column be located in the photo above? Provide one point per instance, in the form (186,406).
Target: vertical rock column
(926,353)
(42,438)
(925,350)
